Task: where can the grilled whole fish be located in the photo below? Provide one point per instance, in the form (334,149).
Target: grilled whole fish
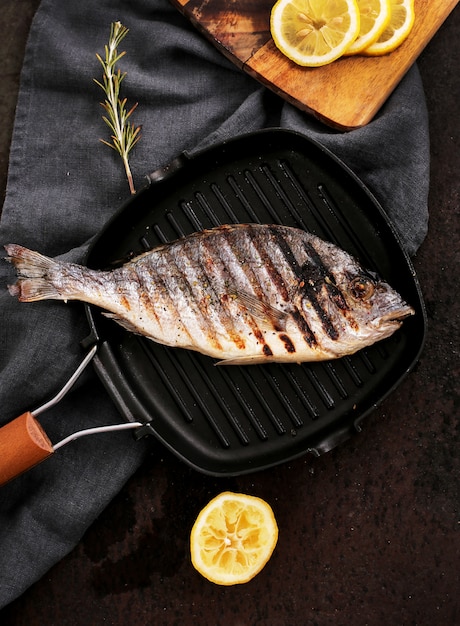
(243,294)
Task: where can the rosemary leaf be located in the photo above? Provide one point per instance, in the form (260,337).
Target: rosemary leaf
(125,134)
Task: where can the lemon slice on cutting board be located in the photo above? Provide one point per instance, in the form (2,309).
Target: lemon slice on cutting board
(374,17)
(314,32)
(397,30)
(232,538)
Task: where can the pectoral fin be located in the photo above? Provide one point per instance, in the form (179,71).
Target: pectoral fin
(267,316)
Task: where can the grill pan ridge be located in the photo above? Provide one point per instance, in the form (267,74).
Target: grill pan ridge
(235,420)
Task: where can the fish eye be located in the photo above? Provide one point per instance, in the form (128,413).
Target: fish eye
(362,288)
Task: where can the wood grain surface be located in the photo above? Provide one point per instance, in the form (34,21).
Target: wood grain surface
(344,94)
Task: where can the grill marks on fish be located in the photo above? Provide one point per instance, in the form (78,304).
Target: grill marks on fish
(197,268)
(209,273)
(317,286)
(312,276)
(208,255)
(270,267)
(249,264)
(244,266)
(244,293)
(312,291)
(291,261)
(181,304)
(290,347)
(320,275)
(252,270)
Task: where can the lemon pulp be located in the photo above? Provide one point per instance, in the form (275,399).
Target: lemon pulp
(374,16)
(232,538)
(397,30)
(314,32)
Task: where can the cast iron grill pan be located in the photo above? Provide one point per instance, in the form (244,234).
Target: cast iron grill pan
(234,420)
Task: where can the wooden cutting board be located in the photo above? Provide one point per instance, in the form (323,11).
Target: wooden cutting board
(345,94)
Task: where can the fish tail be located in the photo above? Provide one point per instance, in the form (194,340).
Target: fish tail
(33,271)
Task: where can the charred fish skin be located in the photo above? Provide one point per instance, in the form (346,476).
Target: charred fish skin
(241,293)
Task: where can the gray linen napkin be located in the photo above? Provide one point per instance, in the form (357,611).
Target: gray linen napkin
(64,184)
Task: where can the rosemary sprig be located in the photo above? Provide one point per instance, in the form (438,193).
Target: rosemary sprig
(125,134)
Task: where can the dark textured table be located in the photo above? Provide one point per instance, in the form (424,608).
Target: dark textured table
(369,532)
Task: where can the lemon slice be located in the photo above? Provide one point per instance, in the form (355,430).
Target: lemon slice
(399,27)
(314,32)
(374,18)
(232,538)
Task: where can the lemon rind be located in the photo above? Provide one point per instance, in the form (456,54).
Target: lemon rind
(361,43)
(221,577)
(315,60)
(400,35)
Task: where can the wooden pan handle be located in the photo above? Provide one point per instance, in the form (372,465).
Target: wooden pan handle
(23,444)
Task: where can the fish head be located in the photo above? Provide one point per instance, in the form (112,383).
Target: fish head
(350,308)
(376,308)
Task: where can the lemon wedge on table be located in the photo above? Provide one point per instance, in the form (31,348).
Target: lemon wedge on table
(232,538)
(374,16)
(314,32)
(397,30)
